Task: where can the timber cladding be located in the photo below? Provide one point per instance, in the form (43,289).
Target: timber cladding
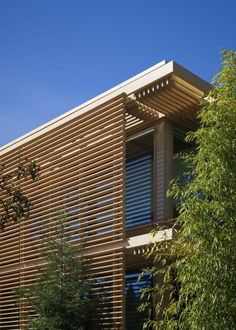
(82,173)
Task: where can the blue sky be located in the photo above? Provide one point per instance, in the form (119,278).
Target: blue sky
(56,54)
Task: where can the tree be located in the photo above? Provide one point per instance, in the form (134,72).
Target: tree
(62,297)
(198,269)
(14,204)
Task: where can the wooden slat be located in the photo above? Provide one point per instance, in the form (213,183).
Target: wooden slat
(82,172)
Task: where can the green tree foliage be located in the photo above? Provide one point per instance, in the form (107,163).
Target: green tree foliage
(62,296)
(14,204)
(198,269)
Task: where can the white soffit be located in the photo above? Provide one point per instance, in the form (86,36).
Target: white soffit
(128,87)
(146,239)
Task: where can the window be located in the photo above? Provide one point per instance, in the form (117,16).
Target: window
(134,319)
(181,170)
(139,179)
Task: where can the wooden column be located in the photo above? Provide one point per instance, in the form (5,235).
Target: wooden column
(163,169)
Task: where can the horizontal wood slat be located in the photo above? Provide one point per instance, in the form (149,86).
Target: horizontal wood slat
(82,173)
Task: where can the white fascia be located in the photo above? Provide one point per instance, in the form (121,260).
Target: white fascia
(147,239)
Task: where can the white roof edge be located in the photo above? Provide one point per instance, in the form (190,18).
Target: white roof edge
(129,86)
(187,75)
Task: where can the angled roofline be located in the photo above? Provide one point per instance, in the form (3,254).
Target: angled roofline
(158,71)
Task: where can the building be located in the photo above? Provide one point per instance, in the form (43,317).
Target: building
(108,164)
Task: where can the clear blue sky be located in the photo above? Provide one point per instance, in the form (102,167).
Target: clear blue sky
(56,54)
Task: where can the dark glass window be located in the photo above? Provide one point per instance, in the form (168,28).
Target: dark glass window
(134,319)
(181,170)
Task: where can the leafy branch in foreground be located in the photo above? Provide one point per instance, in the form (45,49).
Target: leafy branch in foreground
(14,204)
(196,273)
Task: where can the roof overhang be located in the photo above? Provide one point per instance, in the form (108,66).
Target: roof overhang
(160,88)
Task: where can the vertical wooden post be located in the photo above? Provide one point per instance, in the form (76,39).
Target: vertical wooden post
(163,169)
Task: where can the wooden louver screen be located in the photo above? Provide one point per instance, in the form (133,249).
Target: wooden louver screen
(82,172)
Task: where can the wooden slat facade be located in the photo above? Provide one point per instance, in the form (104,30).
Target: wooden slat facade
(82,159)
(82,173)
